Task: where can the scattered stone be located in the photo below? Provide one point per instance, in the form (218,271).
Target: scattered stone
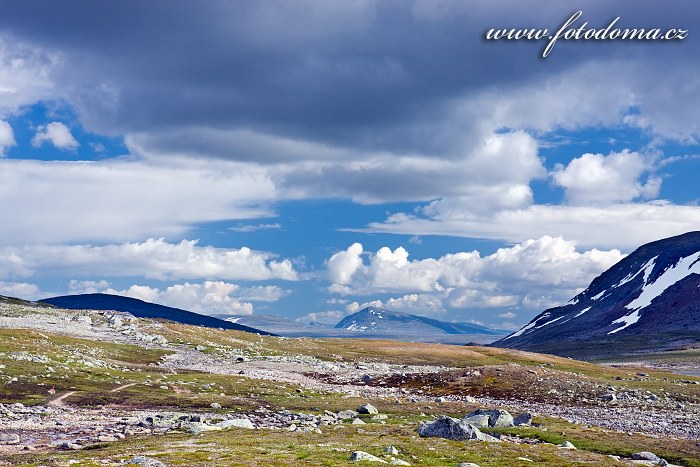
(469,400)
(525,459)
(468,464)
(9,438)
(441,399)
(609,397)
(451,428)
(368,409)
(358,421)
(391,450)
(106,439)
(146,462)
(365,456)
(215,405)
(524,419)
(567,445)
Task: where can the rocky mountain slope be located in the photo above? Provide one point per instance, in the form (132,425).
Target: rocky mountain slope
(141,309)
(372,320)
(649,301)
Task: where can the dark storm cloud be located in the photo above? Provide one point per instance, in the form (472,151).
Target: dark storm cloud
(371,75)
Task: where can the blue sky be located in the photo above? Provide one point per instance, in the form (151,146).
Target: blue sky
(308,159)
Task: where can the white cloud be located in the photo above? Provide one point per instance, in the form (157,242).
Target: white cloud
(7,137)
(82,287)
(22,290)
(209,297)
(625,226)
(507,315)
(326,317)
(267,293)
(153,258)
(56,133)
(124,199)
(547,270)
(595,179)
(25,74)
(255,228)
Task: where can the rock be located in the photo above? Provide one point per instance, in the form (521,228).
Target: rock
(358,421)
(479,421)
(66,446)
(344,414)
(524,419)
(380,416)
(567,445)
(106,439)
(215,405)
(469,400)
(391,450)
(398,462)
(235,423)
(649,456)
(441,399)
(9,438)
(609,397)
(368,409)
(451,428)
(468,464)
(496,418)
(198,427)
(365,456)
(146,462)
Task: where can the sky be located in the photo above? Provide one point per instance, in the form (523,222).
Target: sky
(309,158)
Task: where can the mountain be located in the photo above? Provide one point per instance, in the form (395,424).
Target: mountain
(282,326)
(649,301)
(373,320)
(141,309)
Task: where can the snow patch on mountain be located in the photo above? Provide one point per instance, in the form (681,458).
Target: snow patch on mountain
(582,312)
(682,269)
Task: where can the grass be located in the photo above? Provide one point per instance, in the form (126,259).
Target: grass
(93,369)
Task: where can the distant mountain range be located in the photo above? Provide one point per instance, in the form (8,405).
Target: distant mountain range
(649,301)
(372,320)
(143,309)
(367,323)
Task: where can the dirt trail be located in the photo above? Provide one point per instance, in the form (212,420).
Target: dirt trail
(58,401)
(123,386)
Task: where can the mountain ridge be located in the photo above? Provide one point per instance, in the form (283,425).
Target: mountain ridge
(652,295)
(143,309)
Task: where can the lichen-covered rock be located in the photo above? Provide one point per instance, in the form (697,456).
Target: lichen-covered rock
(524,419)
(451,428)
(146,462)
(649,456)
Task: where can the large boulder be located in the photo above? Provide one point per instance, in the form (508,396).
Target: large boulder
(451,428)
(649,456)
(496,418)
(367,409)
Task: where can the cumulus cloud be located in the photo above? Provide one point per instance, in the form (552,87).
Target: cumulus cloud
(57,134)
(22,290)
(209,297)
(7,137)
(546,270)
(153,258)
(595,179)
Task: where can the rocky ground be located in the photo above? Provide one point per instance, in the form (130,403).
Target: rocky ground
(429,390)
